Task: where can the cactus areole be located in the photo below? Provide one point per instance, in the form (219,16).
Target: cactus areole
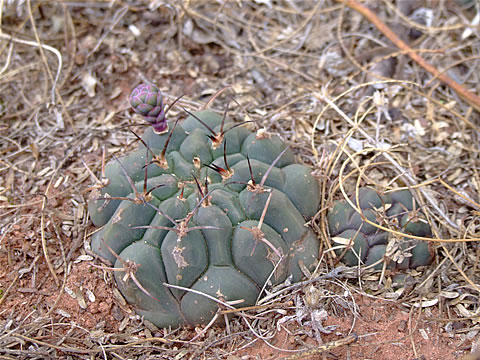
(202,211)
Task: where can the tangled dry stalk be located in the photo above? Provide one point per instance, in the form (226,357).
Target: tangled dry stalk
(342,92)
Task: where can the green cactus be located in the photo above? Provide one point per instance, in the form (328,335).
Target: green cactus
(359,242)
(206,206)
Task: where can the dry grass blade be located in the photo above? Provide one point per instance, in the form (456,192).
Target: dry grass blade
(472,98)
(44,243)
(210,297)
(42,46)
(258,234)
(404,172)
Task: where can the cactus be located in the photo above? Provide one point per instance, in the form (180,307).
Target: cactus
(359,242)
(207,206)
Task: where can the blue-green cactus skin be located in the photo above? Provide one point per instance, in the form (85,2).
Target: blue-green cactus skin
(221,257)
(366,244)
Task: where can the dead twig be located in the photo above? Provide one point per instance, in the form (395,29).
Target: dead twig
(471,98)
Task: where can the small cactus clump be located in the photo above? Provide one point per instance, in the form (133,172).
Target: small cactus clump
(358,242)
(202,210)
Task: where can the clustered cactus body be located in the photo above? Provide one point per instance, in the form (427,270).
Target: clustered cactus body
(220,214)
(359,242)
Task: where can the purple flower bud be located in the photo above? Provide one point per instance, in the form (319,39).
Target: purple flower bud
(146,100)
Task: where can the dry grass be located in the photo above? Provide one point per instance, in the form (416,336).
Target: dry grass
(352,106)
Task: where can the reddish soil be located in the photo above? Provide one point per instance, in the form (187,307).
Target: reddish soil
(385,331)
